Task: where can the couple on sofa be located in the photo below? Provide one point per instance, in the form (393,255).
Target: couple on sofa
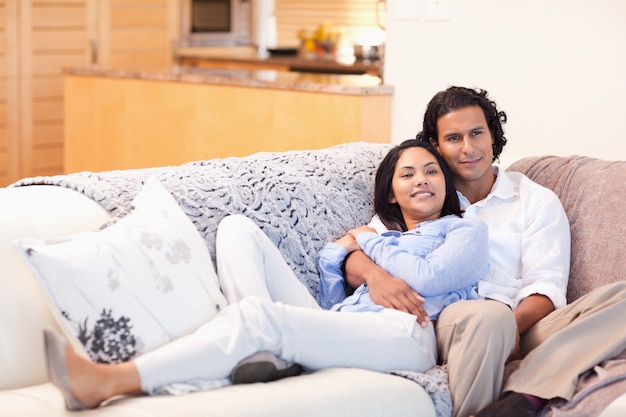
(490,305)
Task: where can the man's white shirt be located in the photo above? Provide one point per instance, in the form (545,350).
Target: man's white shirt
(529,240)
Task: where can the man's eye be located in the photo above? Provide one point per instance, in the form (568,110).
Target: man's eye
(453,138)
(477,132)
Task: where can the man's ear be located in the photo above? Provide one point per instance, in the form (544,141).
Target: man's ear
(434,143)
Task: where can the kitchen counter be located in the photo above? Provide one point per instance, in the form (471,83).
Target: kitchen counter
(245,57)
(281,80)
(127,119)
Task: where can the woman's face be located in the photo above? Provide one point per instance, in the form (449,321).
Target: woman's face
(419,186)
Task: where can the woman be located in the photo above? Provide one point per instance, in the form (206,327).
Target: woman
(434,249)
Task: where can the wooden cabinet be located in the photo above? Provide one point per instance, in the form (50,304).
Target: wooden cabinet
(117,122)
(8,92)
(135,34)
(38,38)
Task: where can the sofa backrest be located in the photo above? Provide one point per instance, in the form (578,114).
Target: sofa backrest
(593,193)
(301,199)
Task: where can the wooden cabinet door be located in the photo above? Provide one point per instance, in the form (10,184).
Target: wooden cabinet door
(52,35)
(136,34)
(9,167)
(37,39)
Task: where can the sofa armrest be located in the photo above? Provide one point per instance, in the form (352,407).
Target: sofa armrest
(38,211)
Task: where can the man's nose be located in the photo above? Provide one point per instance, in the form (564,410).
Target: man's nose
(466,146)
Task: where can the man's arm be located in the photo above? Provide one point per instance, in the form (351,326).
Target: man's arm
(385,290)
(529,311)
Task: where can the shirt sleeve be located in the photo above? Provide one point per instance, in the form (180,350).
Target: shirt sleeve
(545,249)
(329,261)
(461,260)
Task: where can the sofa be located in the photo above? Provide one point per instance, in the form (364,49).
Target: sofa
(301,199)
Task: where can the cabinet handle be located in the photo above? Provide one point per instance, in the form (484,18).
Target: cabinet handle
(93,43)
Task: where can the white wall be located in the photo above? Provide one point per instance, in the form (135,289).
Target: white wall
(557,67)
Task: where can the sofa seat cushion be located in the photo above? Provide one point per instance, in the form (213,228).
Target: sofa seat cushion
(330,392)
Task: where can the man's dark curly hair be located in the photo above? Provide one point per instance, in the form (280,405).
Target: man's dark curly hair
(456,98)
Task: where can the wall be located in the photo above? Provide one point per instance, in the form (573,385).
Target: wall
(556,67)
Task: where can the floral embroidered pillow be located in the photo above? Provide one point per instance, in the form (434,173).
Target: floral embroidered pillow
(132,286)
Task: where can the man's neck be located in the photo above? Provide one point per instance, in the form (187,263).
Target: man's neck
(476,190)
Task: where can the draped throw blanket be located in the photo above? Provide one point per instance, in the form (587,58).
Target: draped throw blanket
(301,200)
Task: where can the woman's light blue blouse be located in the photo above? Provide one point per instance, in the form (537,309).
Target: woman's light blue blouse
(441,259)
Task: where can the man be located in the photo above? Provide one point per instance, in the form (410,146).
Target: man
(524,314)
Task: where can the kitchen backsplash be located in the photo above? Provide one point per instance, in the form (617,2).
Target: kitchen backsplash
(358,17)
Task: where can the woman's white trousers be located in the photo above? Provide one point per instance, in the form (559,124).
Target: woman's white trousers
(272,311)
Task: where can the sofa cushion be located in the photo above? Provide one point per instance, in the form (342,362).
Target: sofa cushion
(143,281)
(38,211)
(589,189)
(333,392)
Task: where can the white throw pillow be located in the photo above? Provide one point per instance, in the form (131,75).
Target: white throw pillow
(132,286)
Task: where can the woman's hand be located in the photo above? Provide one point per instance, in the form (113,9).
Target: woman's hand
(361,229)
(348,242)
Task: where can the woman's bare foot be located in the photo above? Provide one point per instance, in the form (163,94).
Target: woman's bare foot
(85,384)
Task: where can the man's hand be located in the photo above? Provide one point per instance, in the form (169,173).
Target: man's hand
(385,290)
(529,311)
(391,292)
(515,351)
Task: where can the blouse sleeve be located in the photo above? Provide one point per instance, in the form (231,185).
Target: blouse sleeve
(329,261)
(461,260)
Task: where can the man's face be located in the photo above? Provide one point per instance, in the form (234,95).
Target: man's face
(466,144)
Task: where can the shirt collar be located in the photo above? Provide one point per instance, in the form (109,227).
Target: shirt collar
(503,188)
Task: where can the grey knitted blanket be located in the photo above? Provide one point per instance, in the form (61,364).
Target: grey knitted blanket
(301,200)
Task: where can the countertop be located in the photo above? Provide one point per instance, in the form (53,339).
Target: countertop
(282,80)
(293,62)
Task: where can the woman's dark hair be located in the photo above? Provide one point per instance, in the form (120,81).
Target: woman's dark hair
(390,213)
(456,98)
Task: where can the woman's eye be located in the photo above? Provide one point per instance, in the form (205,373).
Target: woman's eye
(432,171)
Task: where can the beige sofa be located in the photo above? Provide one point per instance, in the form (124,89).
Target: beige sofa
(316,196)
